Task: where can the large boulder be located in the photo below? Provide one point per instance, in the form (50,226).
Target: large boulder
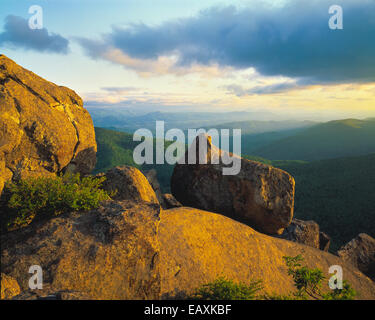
(361,253)
(305,232)
(133,250)
(108,253)
(259,195)
(44,128)
(197,247)
(128,183)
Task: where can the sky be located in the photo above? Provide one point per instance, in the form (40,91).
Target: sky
(211,55)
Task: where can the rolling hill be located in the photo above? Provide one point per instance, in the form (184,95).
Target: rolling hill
(255,127)
(130,120)
(257,134)
(116,148)
(334,139)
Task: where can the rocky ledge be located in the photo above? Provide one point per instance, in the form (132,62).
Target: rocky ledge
(44,128)
(133,249)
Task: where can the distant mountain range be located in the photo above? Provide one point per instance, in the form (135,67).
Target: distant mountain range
(253,127)
(129,120)
(275,140)
(334,139)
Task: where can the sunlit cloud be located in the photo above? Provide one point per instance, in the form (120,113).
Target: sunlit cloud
(163,65)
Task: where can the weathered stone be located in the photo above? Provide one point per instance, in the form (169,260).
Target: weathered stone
(324,241)
(121,251)
(170,201)
(44,128)
(9,287)
(128,183)
(361,253)
(305,232)
(197,247)
(260,195)
(108,253)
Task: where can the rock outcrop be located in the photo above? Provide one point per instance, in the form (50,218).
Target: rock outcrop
(108,253)
(360,252)
(308,233)
(305,232)
(128,183)
(9,287)
(132,250)
(260,195)
(198,246)
(44,128)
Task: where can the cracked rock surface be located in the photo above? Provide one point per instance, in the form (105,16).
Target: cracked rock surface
(197,247)
(360,252)
(260,195)
(44,128)
(108,253)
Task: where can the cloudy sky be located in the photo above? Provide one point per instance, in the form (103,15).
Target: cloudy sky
(279,56)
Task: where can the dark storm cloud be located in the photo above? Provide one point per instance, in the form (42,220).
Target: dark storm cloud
(17,34)
(240,91)
(268,89)
(293,40)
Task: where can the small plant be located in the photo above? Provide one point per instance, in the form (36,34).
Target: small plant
(224,289)
(37,198)
(309,282)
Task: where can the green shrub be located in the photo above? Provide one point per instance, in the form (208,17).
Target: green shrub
(308,282)
(42,197)
(223,289)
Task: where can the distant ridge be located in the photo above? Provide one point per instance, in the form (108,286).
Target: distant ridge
(334,139)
